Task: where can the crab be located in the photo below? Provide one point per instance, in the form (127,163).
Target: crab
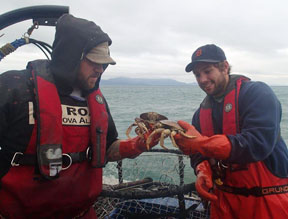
(166,128)
(145,123)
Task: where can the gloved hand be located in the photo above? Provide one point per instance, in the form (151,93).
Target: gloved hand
(131,148)
(204,181)
(216,146)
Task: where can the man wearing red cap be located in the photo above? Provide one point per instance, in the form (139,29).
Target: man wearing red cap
(239,156)
(56,130)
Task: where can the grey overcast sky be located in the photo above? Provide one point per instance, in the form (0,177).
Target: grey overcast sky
(156,38)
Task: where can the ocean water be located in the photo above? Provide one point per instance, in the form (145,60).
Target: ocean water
(175,102)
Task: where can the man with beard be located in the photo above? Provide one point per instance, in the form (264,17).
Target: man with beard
(238,155)
(56,130)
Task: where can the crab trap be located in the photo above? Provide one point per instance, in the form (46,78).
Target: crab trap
(157,184)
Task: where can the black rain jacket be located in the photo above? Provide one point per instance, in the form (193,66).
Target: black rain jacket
(74,38)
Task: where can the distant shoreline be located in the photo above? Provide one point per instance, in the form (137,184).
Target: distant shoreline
(143,82)
(123,81)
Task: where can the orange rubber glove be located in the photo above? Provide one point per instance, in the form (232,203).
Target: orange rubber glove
(131,148)
(216,146)
(204,181)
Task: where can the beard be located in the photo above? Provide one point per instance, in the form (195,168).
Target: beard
(87,83)
(219,86)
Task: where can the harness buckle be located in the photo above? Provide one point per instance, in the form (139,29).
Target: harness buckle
(88,153)
(222,165)
(14,159)
(70,161)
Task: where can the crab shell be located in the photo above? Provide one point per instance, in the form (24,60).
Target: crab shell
(152,117)
(170,125)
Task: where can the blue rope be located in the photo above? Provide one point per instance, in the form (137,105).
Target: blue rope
(11,47)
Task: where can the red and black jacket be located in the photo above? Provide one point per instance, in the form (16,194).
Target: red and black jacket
(15,130)
(258,136)
(33,173)
(257,187)
(79,183)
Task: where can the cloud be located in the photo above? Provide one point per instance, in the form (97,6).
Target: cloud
(155,38)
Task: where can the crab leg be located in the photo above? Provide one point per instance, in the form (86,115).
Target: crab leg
(164,134)
(173,133)
(138,132)
(149,139)
(129,130)
(142,127)
(185,135)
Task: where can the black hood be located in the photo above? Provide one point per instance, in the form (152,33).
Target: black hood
(74,38)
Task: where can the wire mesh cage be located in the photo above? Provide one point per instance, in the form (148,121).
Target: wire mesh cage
(157,184)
